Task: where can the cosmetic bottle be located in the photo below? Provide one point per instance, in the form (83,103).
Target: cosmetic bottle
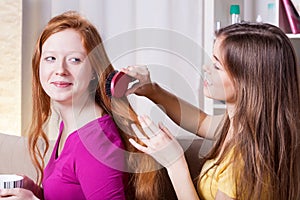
(235,14)
(271,13)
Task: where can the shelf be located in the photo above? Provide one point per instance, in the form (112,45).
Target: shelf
(217,11)
(296,36)
(220,106)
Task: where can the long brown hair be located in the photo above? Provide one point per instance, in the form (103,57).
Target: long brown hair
(145,181)
(261,61)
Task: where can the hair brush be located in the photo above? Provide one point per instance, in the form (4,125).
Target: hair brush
(117,83)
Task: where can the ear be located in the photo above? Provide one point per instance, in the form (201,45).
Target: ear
(94,75)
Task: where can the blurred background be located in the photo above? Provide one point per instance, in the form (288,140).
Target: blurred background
(174,38)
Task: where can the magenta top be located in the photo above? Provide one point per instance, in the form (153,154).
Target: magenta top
(90,166)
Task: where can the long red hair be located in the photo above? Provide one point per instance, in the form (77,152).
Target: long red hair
(145,184)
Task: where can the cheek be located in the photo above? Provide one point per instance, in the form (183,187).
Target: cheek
(83,79)
(44,74)
(229,90)
(220,81)
(44,77)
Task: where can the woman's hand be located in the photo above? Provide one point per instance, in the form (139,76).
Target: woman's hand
(164,148)
(29,190)
(17,194)
(143,86)
(28,183)
(160,143)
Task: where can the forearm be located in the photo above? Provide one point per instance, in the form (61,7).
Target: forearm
(181,112)
(181,180)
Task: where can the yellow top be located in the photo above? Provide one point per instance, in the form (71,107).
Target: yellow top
(219,177)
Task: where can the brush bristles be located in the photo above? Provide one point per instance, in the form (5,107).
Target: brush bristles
(108,83)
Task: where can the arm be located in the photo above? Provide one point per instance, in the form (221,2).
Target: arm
(181,180)
(181,112)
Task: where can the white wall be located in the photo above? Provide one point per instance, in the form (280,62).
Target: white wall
(35,14)
(165,35)
(10,66)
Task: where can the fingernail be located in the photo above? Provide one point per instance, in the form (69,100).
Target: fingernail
(139,117)
(147,119)
(160,124)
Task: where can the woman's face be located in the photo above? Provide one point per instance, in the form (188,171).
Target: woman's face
(65,72)
(217,82)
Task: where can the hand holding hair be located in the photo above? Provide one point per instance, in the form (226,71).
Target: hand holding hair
(160,143)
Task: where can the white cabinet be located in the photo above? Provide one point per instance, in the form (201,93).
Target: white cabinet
(217,11)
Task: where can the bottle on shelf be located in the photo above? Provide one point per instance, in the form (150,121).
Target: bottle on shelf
(271,12)
(235,13)
(259,19)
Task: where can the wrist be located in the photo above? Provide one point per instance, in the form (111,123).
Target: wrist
(153,91)
(179,166)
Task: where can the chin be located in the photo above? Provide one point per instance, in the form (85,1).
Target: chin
(207,93)
(62,99)
(214,97)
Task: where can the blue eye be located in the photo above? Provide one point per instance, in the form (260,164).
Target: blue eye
(50,58)
(216,67)
(75,60)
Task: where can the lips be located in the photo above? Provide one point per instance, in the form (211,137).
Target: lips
(206,79)
(61,84)
(207,82)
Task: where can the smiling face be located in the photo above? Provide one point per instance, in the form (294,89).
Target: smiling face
(65,72)
(217,82)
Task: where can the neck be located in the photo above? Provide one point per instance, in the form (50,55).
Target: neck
(78,114)
(231,111)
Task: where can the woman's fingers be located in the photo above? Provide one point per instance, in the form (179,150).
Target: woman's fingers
(142,137)
(160,143)
(17,194)
(9,193)
(165,130)
(138,132)
(138,146)
(148,126)
(133,89)
(142,84)
(137,71)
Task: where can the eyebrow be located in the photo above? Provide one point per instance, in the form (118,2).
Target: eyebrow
(70,52)
(216,58)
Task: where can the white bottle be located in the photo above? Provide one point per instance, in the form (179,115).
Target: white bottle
(259,19)
(235,14)
(271,13)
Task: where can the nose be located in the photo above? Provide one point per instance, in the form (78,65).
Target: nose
(61,69)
